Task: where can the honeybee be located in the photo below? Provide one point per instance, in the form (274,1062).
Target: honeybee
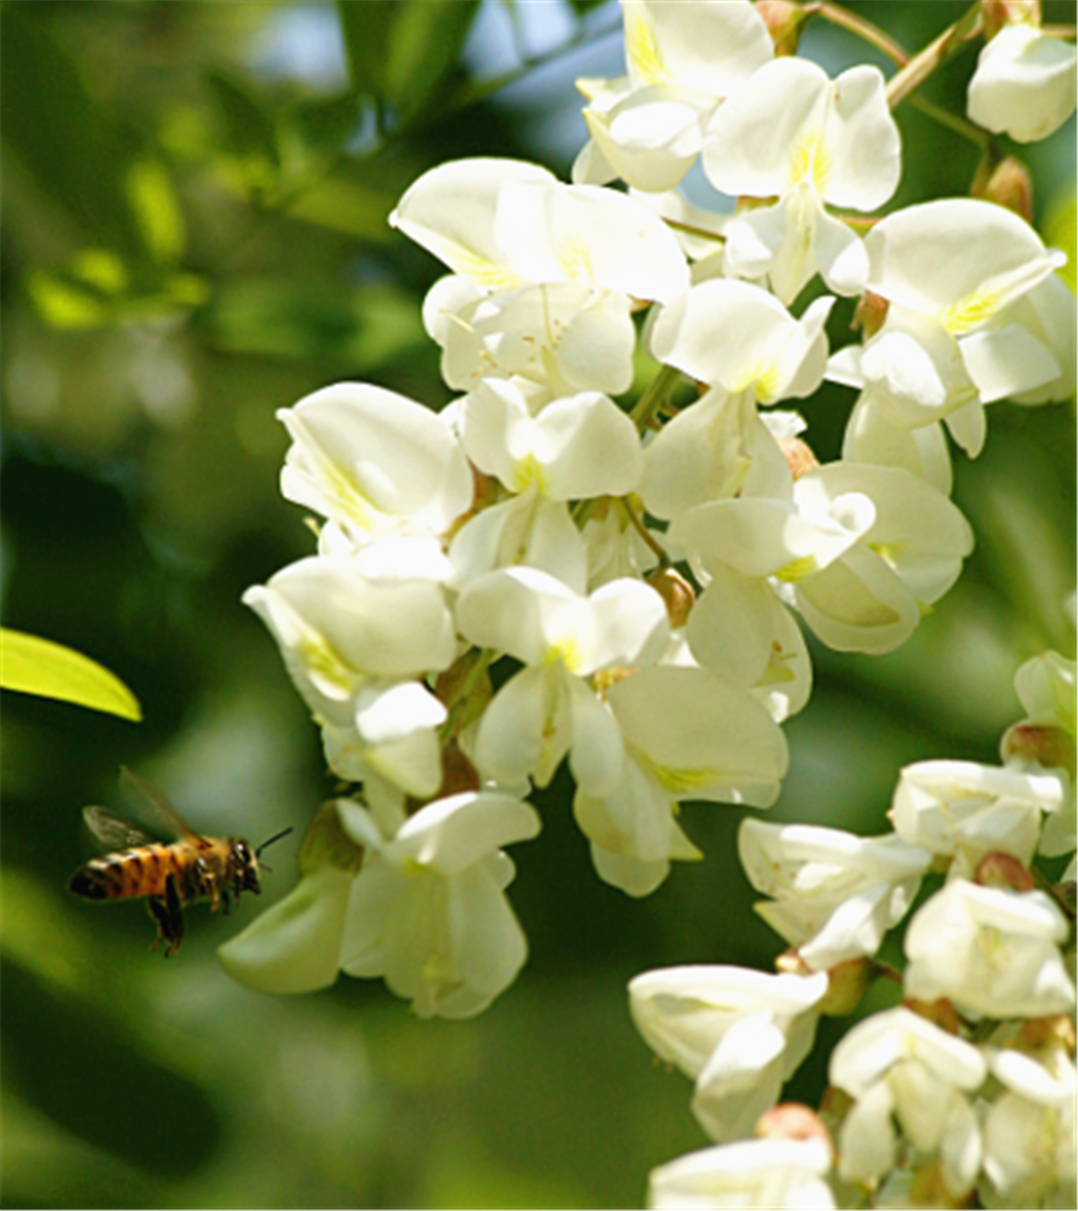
(170,875)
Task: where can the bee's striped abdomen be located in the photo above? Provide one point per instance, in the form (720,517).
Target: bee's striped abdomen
(127,874)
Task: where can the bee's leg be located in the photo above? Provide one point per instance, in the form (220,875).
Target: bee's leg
(207,884)
(167,911)
(226,901)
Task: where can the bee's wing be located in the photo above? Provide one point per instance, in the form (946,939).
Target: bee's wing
(161,812)
(111,830)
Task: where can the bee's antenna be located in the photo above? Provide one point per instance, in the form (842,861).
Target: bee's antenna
(276,837)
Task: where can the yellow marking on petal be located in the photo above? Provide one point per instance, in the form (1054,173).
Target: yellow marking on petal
(642,50)
(574,256)
(321,661)
(566,652)
(810,159)
(484,272)
(681,782)
(972,312)
(798,569)
(528,471)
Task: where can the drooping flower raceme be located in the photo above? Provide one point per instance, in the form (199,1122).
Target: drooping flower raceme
(647,564)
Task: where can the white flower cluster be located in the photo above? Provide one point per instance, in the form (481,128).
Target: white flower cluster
(968,1086)
(643,568)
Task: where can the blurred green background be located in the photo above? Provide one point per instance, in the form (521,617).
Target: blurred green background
(194,235)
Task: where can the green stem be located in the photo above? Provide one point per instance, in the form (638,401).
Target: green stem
(934,55)
(872,34)
(654,397)
(637,522)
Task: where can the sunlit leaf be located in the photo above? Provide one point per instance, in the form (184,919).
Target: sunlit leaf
(38,666)
(153,203)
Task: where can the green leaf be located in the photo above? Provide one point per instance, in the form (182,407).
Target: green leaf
(38,666)
(425,43)
(365,28)
(249,132)
(79,155)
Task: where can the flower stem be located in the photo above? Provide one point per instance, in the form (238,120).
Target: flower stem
(934,55)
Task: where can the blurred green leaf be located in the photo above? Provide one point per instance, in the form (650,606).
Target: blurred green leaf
(425,43)
(357,330)
(346,206)
(88,1072)
(38,666)
(96,289)
(365,26)
(249,132)
(153,203)
(77,153)
(328,123)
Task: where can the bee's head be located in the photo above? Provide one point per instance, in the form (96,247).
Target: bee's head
(248,862)
(245,865)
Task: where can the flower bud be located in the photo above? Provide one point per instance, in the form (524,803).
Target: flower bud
(995,14)
(940,1013)
(929,1189)
(870,313)
(1007,183)
(783,19)
(846,985)
(799,456)
(1003,871)
(458,773)
(1056,1031)
(1049,746)
(677,594)
(792,1121)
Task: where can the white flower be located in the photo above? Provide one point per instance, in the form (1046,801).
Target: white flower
(1024,84)
(714,449)
(951,271)
(1029,1130)
(547,709)
(565,337)
(763,1173)
(834,894)
(375,462)
(577,447)
(355,649)
(1045,688)
(793,134)
(741,630)
(428,911)
(734,335)
(898,1065)
(647,127)
(860,550)
(962,808)
(505,223)
(687,735)
(992,953)
(738,1033)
